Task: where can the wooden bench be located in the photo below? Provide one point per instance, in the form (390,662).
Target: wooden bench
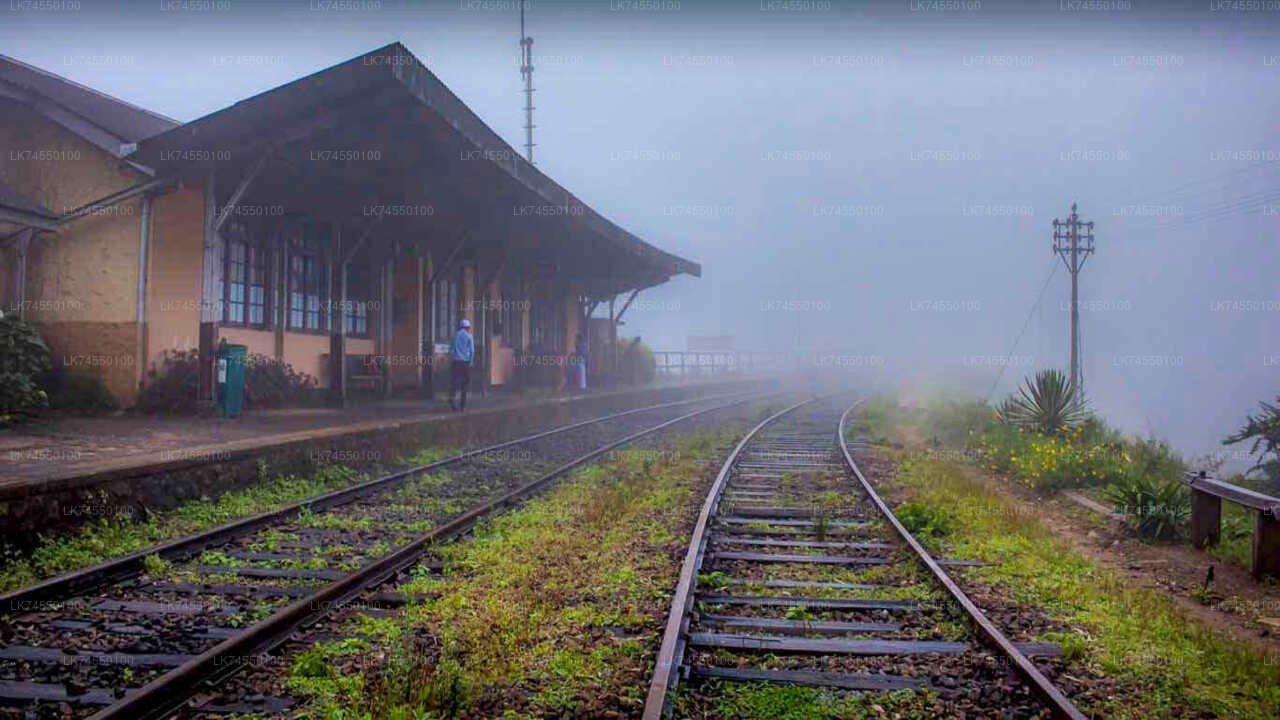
(1207,495)
(363,370)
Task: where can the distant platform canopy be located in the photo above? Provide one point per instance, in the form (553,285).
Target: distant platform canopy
(107,122)
(381,138)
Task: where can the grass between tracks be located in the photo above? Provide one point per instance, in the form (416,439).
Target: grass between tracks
(1137,654)
(555,609)
(761,701)
(117,534)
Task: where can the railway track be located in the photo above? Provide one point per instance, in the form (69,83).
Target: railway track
(798,573)
(137,637)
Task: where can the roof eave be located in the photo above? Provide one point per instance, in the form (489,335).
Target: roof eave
(393,65)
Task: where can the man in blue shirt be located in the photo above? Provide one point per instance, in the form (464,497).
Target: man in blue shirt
(463,349)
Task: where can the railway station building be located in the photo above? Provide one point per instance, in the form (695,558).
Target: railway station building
(341,223)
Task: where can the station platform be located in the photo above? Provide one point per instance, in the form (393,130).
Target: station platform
(59,471)
(58,446)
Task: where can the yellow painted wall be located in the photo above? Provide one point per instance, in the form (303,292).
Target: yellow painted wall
(572,316)
(81,281)
(303,351)
(406,323)
(466,303)
(259,342)
(174,273)
(89,270)
(502,367)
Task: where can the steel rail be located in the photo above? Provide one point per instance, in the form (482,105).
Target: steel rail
(671,653)
(169,691)
(1053,697)
(122,568)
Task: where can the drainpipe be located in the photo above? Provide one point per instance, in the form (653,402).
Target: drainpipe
(20,247)
(144,248)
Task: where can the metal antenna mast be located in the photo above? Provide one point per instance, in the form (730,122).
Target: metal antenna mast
(1073,242)
(526,72)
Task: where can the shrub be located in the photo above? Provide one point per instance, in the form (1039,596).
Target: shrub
(954,422)
(1154,507)
(79,389)
(1154,458)
(268,382)
(272,383)
(174,385)
(924,520)
(1095,431)
(1045,462)
(875,418)
(24,357)
(637,364)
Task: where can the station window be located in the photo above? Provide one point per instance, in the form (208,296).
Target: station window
(557,327)
(244,272)
(307,275)
(358,317)
(511,316)
(356,312)
(535,326)
(547,331)
(445,306)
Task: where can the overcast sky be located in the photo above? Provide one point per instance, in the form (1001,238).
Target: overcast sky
(877,182)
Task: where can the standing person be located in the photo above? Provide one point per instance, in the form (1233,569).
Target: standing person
(463,349)
(580,349)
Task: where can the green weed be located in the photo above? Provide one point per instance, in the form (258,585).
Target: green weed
(1137,637)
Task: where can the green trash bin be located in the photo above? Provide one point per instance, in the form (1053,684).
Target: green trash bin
(231,379)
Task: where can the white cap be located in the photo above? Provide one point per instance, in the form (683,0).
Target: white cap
(465,323)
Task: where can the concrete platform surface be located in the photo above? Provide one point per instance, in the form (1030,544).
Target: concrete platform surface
(56,447)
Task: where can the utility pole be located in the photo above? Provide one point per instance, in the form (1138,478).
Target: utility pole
(526,72)
(1073,242)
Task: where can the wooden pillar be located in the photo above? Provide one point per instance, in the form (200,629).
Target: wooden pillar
(337,369)
(428,339)
(420,311)
(338,330)
(280,289)
(1266,545)
(212,272)
(1206,518)
(613,339)
(480,329)
(388,302)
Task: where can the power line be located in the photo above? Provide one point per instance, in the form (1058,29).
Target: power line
(1186,187)
(1219,207)
(1238,206)
(1053,269)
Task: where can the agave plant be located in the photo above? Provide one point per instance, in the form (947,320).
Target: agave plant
(1155,508)
(1048,404)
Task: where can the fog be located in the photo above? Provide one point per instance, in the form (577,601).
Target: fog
(875,182)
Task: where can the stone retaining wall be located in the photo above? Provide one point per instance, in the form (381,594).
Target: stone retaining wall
(177,476)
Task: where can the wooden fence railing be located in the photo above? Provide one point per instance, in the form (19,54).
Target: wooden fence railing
(681,363)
